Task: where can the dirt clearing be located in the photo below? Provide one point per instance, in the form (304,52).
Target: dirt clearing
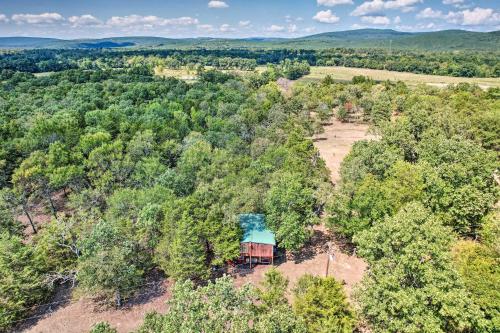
(78,316)
(336,142)
(345,267)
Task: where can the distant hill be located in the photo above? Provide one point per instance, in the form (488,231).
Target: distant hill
(28,42)
(360,34)
(446,40)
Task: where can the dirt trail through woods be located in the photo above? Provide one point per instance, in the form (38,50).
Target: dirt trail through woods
(334,144)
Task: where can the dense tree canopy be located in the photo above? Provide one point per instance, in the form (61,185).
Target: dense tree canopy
(142,173)
(134,173)
(322,304)
(411,286)
(416,201)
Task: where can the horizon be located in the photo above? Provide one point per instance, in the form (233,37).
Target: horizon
(243,38)
(237,19)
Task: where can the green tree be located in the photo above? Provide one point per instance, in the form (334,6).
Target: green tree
(7,221)
(21,279)
(274,288)
(31,181)
(289,207)
(275,314)
(221,307)
(411,285)
(476,262)
(180,253)
(64,169)
(217,307)
(108,265)
(478,268)
(322,304)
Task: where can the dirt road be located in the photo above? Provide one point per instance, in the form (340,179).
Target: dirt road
(336,142)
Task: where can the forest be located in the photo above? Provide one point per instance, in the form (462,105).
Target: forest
(138,174)
(458,64)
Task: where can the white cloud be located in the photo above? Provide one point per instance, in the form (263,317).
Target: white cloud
(357,26)
(309,29)
(397,20)
(290,19)
(458,4)
(84,20)
(476,16)
(44,18)
(378,20)
(275,28)
(369,7)
(418,27)
(226,28)
(430,13)
(3,18)
(244,23)
(217,4)
(378,6)
(331,3)
(292,28)
(151,21)
(205,27)
(326,16)
(403,5)
(184,20)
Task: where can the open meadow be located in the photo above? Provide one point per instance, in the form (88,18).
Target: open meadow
(347,73)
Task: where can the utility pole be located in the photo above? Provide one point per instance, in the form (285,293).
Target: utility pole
(330,257)
(390,47)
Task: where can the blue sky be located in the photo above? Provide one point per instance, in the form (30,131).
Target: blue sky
(238,18)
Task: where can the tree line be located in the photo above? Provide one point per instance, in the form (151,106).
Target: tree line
(457,63)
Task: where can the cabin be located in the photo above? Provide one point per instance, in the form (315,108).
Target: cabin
(258,243)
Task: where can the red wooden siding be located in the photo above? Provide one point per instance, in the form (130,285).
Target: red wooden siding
(256,250)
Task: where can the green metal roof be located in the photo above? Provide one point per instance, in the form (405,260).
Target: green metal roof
(255,231)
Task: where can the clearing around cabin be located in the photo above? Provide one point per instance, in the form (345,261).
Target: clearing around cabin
(333,145)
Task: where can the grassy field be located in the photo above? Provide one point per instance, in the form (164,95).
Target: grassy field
(344,74)
(347,73)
